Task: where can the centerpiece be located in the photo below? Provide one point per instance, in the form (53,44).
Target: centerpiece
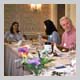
(33,64)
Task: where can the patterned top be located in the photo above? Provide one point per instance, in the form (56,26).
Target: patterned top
(12,37)
(54,37)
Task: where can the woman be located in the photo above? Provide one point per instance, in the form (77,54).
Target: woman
(51,31)
(14,34)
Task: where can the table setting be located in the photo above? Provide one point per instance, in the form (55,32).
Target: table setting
(40,60)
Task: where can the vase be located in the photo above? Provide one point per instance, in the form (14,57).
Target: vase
(34,74)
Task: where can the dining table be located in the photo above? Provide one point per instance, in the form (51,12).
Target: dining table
(13,67)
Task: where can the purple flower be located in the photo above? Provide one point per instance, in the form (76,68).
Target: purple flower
(24,49)
(35,61)
(23,52)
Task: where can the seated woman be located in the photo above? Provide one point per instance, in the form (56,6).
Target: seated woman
(14,34)
(51,32)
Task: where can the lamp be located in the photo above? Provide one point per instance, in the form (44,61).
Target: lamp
(36,7)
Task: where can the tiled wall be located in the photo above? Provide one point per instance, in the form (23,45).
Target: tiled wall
(29,21)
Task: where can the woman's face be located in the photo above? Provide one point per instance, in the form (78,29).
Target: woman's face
(15,27)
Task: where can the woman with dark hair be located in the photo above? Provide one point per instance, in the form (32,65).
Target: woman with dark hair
(14,34)
(51,32)
(14,27)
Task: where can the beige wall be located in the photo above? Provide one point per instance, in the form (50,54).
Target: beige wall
(54,13)
(29,21)
(73,14)
(70,11)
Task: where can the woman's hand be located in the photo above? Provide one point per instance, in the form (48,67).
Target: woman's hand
(43,40)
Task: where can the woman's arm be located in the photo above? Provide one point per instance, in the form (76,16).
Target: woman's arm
(55,38)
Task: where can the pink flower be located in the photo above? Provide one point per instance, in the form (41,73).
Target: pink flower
(23,52)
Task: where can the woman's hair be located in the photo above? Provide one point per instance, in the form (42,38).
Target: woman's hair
(11,28)
(50,27)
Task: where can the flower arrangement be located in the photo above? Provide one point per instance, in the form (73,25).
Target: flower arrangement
(34,64)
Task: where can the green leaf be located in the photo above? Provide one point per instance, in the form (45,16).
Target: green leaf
(45,60)
(37,68)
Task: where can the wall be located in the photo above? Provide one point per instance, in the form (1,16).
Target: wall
(29,21)
(73,14)
(70,11)
(54,13)
(32,22)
